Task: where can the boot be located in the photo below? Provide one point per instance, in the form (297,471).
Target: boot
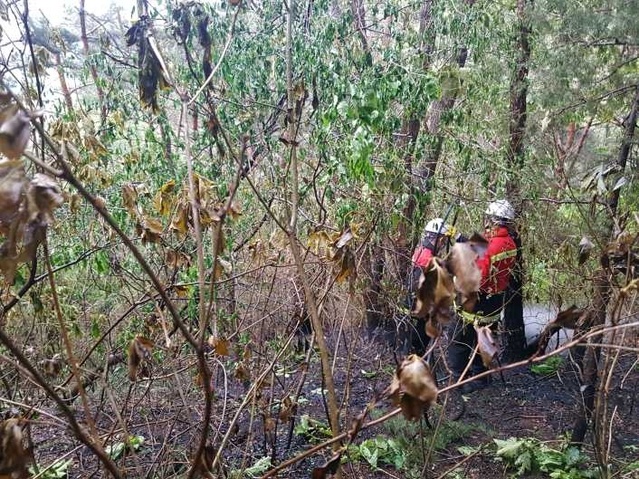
(476,385)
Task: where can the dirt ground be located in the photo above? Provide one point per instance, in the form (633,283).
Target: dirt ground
(518,403)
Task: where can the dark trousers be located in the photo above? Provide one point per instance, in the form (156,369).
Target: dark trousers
(463,338)
(419,338)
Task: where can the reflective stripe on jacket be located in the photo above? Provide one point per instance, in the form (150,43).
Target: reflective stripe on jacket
(497,264)
(478,319)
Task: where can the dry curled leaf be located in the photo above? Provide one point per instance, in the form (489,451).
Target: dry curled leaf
(15,128)
(44,196)
(463,265)
(53,366)
(163,199)
(435,290)
(288,409)
(13,455)
(26,209)
(149,230)
(413,387)
(139,352)
(346,266)
(242,372)
(130,199)
(344,238)
(180,219)
(219,345)
(12,182)
(319,243)
(487,345)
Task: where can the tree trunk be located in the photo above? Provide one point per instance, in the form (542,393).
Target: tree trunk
(92,69)
(602,293)
(68,103)
(515,335)
(375,314)
(359,17)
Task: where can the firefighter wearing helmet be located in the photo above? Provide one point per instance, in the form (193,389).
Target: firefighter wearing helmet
(497,266)
(435,239)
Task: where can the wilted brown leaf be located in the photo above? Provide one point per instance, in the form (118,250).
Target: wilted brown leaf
(53,366)
(139,351)
(486,344)
(631,286)
(413,387)
(149,229)
(180,220)
(15,128)
(13,454)
(8,261)
(203,189)
(219,345)
(94,147)
(241,372)
(163,199)
(435,290)
(343,239)
(130,199)
(318,242)
(75,200)
(176,259)
(346,265)
(463,264)
(288,409)
(12,182)
(43,197)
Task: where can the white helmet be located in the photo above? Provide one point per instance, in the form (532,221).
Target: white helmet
(501,209)
(436,226)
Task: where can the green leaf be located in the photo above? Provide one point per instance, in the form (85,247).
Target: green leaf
(467,450)
(524,462)
(510,448)
(101,262)
(57,470)
(95,328)
(259,468)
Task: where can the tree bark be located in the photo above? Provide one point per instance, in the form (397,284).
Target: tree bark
(515,335)
(68,103)
(375,314)
(359,17)
(92,69)
(602,293)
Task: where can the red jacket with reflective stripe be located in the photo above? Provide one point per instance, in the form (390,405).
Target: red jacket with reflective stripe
(422,256)
(497,264)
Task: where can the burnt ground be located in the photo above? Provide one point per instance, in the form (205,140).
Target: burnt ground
(518,403)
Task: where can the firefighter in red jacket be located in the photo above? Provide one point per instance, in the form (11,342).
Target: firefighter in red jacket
(434,240)
(496,266)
